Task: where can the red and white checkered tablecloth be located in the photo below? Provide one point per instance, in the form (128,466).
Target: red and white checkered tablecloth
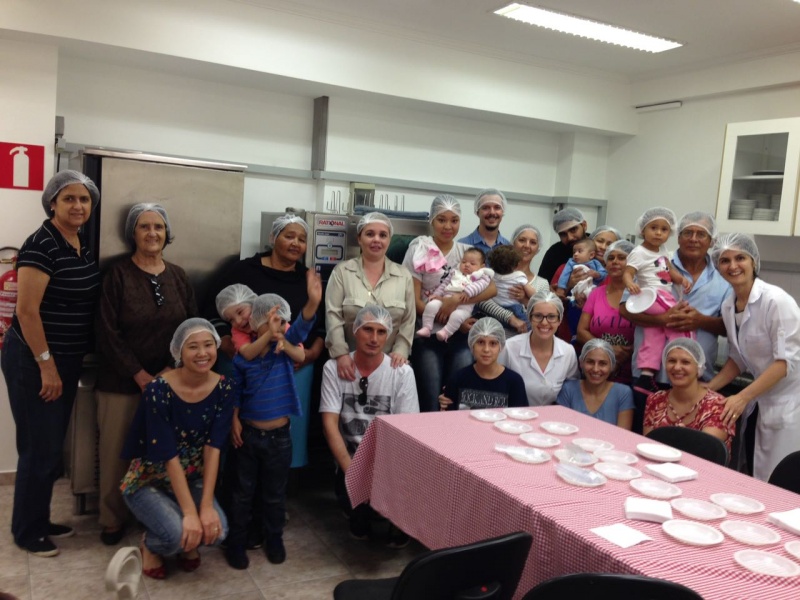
(438,477)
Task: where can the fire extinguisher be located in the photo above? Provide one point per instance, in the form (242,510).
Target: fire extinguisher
(8,290)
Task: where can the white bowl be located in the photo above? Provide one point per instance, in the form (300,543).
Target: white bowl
(640,302)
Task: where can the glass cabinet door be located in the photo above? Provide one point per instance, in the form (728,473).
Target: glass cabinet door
(758,181)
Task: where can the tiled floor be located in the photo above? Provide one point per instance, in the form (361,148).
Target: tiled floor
(320,553)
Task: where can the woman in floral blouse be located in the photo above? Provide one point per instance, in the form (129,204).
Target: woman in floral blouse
(181,424)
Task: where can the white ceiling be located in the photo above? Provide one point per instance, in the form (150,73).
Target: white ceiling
(713,32)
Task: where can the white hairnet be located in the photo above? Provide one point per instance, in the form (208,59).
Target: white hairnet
(61,180)
(184,330)
(486,327)
(621,245)
(373,313)
(653,214)
(603,228)
(482,198)
(691,346)
(598,344)
(374,217)
(443,203)
(233,295)
(518,231)
(567,219)
(741,242)
(133,217)
(700,219)
(549,297)
(280,224)
(263,304)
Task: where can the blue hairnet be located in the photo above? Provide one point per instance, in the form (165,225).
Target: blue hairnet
(61,180)
(133,217)
(184,330)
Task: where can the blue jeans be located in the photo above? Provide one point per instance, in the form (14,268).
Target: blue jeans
(40,429)
(265,457)
(434,362)
(161,515)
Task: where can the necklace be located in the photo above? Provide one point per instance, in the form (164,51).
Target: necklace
(679,418)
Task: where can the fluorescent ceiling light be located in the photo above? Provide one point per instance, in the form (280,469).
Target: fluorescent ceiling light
(586,28)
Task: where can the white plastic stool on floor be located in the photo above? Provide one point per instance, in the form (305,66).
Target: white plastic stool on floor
(124,573)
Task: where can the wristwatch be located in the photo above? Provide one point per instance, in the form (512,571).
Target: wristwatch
(44,356)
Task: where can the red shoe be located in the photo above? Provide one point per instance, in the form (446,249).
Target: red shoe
(159,572)
(188,564)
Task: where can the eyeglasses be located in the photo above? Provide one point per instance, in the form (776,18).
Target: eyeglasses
(157,291)
(701,236)
(539,317)
(363,384)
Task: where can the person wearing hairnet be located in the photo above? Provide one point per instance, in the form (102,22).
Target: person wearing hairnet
(143,299)
(348,406)
(490,206)
(595,395)
(43,351)
(371,278)
(602,236)
(235,305)
(570,225)
(278,270)
(430,259)
(173,446)
(699,311)
(763,324)
(486,383)
(544,361)
(687,403)
(261,424)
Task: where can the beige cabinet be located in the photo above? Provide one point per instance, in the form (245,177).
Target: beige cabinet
(758,180)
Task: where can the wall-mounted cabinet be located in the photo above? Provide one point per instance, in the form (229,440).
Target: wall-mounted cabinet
(758,181)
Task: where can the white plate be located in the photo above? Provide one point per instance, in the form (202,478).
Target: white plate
(793,548)
(616,456)
(522,454)
(583,459)
(514,427)
(540,440)
(694,534)
(741,505)
(578,476)
(659,452)
(488,416)
(766,563)
(521,414)
(642,301)
(698,509)
(751,534)
(617,471)
(558,428)
(591,444)
(655,488)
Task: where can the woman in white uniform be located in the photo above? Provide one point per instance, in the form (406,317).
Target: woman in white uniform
(763,325)
(543,360)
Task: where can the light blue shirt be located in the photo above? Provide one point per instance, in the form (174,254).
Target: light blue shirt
(474,239)
(707,295)
(619,398)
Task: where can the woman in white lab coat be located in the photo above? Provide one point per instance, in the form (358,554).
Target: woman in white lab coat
(763,325)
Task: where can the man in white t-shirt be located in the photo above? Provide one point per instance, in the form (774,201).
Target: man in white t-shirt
(348,407)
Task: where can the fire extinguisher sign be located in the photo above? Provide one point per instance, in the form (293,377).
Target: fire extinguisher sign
(21,166)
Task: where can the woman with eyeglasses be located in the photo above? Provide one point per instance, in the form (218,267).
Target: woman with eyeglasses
(43,351)
(143,300)
(543,360)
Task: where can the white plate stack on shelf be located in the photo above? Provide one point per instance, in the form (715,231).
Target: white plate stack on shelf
(775,202)
(742,209)
(765,214)
(762,200)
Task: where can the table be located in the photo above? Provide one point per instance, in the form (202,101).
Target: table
(438,477)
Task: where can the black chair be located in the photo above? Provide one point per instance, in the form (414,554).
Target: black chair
(692,441)
(610,585)
(787,474)
(483,570)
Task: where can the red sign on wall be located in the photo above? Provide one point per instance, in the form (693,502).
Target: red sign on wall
(21,166)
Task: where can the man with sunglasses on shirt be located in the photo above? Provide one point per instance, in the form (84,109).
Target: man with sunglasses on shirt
(348,407)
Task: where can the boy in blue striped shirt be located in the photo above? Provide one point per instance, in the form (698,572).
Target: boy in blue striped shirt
(260,430)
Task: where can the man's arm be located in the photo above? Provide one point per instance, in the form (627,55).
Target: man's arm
(330,428)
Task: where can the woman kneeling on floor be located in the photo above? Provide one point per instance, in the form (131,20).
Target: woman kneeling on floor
(181,424)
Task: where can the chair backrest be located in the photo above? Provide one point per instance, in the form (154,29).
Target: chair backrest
(692,441)
(787,473)
(610,585)
(443,574)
